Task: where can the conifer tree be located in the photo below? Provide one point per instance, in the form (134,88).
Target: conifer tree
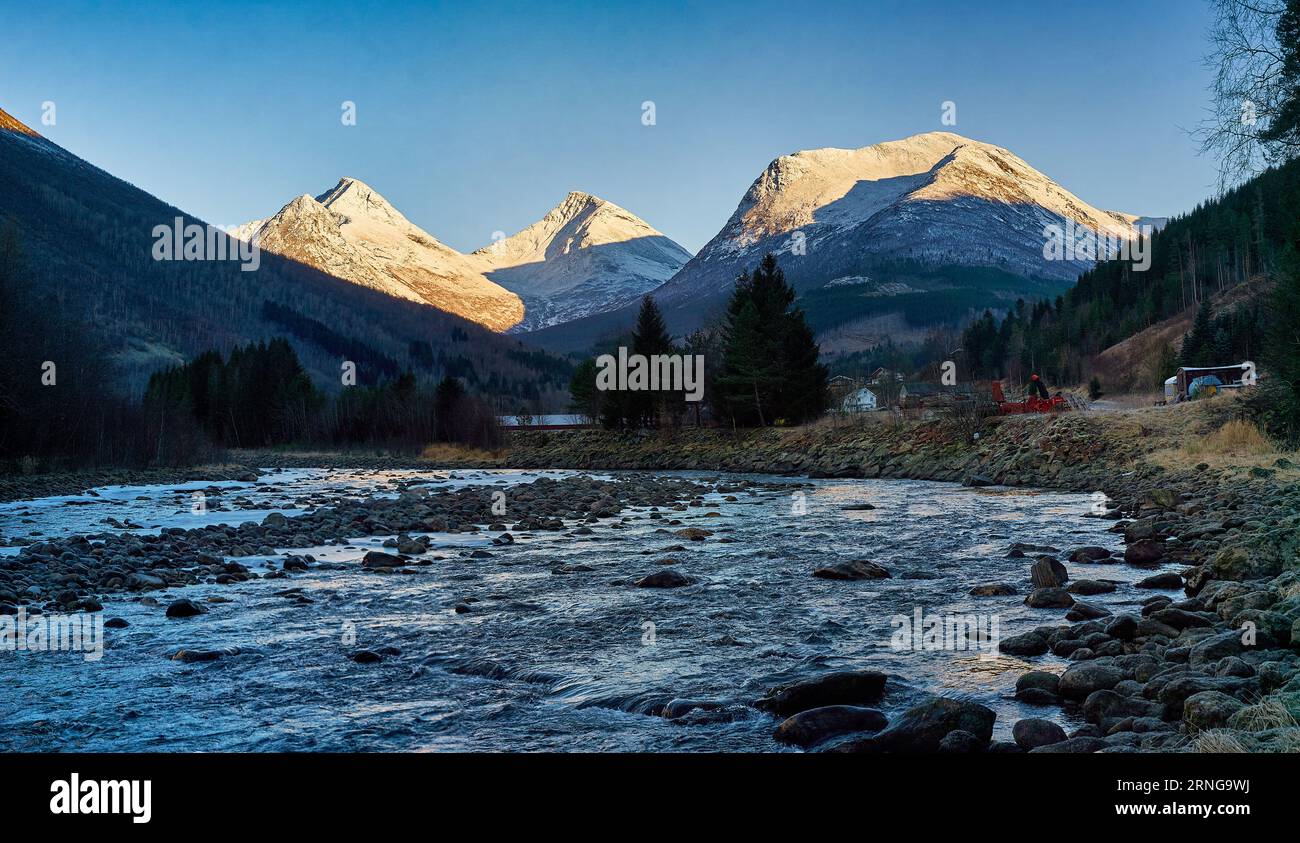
(770,370)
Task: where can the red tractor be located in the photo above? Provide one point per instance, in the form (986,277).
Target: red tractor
(1033,404)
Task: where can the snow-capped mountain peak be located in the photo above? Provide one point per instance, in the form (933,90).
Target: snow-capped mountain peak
(354,233)
(584,256)
(937,198)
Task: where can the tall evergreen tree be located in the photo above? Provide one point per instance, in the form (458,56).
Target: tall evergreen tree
(649,338)
(1199,342)
(446,397)
(770,367)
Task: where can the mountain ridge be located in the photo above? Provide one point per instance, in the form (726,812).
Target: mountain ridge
(585,255)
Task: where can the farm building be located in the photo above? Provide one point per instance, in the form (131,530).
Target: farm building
(1199,381)
(859,401)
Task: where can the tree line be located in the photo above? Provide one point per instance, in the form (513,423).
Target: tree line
(761,364)
(61,406)
(261,396)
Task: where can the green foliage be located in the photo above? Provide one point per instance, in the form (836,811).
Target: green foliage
(260,396)
(942,295)
(770,362)
(1284,127)
(585,399)
(1278,404)
(371,365)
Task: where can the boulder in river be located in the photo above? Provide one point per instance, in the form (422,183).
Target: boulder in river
(1026,644)
(1049,598)
(921,729)
(858,569)
(1048,572)
(818,724)
(1090,553)
(845,687)
(996,589)
(1033,732)
(1161,580)
(695,534)
(379,559)
(186,609)
(1081,611)
(667,578)
(1144,552)
(1090,587)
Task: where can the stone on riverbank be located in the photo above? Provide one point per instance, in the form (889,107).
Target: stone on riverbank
(1034,732)
(921,729)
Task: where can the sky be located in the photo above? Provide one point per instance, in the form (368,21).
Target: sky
(473,118)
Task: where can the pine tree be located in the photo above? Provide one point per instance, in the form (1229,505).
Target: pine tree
(770,370)
(649,338)
(584,398)
(1198,342)
(446,398)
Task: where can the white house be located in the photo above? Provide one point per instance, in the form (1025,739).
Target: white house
(859,401)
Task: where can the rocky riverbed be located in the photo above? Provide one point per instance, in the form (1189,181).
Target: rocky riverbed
(692,611)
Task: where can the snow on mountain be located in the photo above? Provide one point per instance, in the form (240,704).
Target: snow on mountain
(353,233)
(935,198)
(585,256)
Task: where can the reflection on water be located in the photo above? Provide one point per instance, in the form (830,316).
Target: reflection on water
(543,660)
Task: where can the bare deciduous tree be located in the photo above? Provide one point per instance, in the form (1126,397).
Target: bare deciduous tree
(1252,88)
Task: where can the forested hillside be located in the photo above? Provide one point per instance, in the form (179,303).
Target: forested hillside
(1250,232)
(86,240)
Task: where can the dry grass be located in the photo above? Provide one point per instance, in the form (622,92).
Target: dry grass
(1219,741)
(1235,446)
(444,452)
(1268,713)
(1236,438)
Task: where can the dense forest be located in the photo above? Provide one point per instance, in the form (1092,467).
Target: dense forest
(61,407)
(1250,231)
(260,396)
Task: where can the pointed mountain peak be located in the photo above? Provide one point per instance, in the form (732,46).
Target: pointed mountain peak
(576,204)
(356,200)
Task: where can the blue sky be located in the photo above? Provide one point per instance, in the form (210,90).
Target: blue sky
(473,118)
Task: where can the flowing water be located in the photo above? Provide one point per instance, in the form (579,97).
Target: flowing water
(547,661)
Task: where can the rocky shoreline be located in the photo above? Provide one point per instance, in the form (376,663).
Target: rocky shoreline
(1218,670)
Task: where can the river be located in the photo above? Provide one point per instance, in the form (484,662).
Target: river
(546,661)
